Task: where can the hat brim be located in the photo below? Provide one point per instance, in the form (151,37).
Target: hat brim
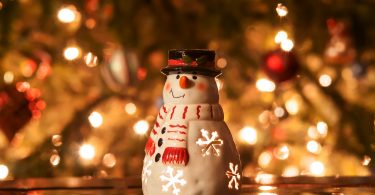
(189,69)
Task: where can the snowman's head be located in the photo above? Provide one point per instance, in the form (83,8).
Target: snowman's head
(190,88)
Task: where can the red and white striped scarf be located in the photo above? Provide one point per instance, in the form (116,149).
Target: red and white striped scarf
(172,125)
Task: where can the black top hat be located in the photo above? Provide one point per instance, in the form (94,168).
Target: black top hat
(199,61)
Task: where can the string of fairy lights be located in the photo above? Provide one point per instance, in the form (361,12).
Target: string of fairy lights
(69,14)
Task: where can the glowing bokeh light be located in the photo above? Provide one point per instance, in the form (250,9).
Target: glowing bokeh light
(265,159)
(54,159)
(313,147)
(281,10)
(325,80)
(267,188)
(317,168)
(264,178)
(141,127)
(281,152)
(221,63)
(56,140)
(249,135)
(87,151)
(8,77)
(366,160)
(292,106)
(72,53)
(91,60)
(281,36)
(287,45)
(265,85)
(95,119)
(67,14)
(279,112)
(322,128)
(130,108)
(312,132)
(290,171)
(4,171)
(109,160)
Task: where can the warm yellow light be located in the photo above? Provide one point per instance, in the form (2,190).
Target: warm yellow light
(91,60)
(67,14)
(325,80)
(292,106)
(264,178)
(265,159)
(281,36)
(281,10)
(130,108)
(287,45)
(279,112)
(266,188)
(313,147)
(56,140)
(4,171)
(266,193)
(109,160)
(322,128)
(317,168)
(221,63)
(54,159)
(95,119)
(249,135)
(8,77)
(312,132)
(141,127)
(290,171)
(87,151)
(281,152)
(72,53)
(366,160)
(265,85)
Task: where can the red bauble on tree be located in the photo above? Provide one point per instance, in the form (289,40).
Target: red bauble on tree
(18,105)
(280,65)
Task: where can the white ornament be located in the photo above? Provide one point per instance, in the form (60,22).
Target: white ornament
(210,143)
(173,180)
(234,176)
(146,172)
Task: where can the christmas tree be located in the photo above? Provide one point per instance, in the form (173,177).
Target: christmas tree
(80,82)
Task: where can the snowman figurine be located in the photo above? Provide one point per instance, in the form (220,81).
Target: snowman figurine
(190,150)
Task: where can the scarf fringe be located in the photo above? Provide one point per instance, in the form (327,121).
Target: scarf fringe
(173,155)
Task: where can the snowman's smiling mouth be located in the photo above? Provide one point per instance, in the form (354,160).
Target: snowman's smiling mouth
(181,96)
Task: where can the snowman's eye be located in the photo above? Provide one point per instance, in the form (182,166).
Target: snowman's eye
(178,76)
(195,77)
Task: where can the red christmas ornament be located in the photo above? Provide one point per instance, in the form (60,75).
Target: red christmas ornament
(18,105)
(280,65)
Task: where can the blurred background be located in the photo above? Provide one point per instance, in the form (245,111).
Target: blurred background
(80,82)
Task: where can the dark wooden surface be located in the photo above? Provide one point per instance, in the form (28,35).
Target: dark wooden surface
(280,185)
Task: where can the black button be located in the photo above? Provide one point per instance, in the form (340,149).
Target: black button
(160,142)
(163,130)
(157,157)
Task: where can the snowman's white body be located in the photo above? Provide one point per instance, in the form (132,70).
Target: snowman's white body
(192,118)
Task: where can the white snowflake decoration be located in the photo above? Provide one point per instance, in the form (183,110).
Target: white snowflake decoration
(172,180)
(210,143)
(234,176)
(146,172)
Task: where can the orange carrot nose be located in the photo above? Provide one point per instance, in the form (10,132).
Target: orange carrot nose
(184,82)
